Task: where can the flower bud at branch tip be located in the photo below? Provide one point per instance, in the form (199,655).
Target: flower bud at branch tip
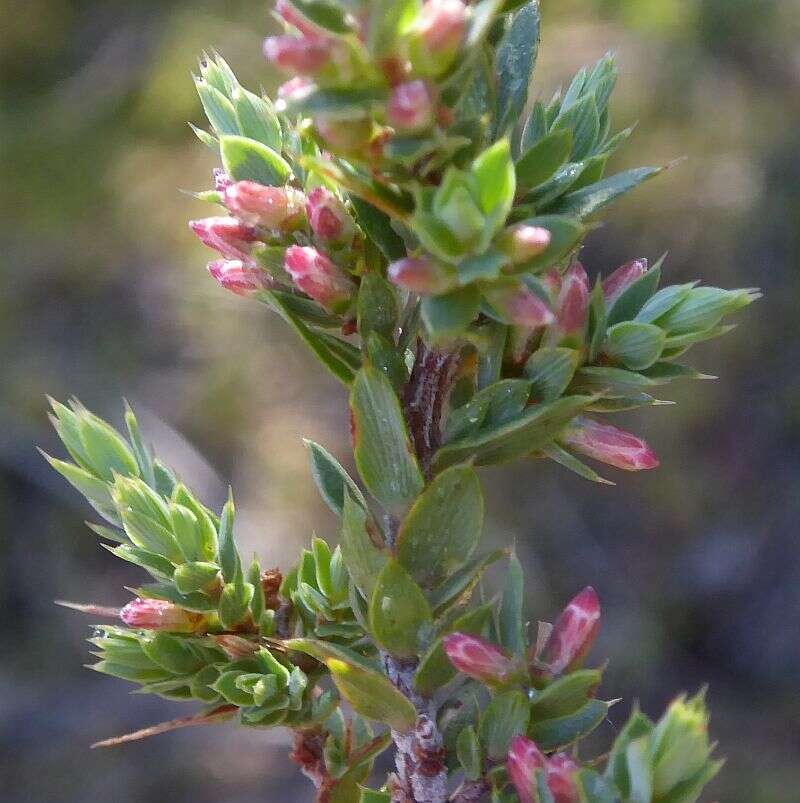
(437,35)
(523,242)
(228,235)
(525,759)
(239,277)
(573,300)
(411,107)
(521,306)
(318,277)
(329,219)
(610,445)
(421,275)
(307,55)
(156,614)
(573,633)
(477,658)
(622,278)
(276,208)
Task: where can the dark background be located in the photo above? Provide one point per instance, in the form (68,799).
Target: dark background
(104,295)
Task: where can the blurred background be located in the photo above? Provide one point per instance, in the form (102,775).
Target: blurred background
(105,295)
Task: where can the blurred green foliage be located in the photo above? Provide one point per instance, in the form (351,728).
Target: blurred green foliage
(105,295)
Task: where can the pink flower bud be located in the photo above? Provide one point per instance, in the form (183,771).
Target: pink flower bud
(329,219)
(306,55)
(290,15)
(519,305)
(610,445)
(411,107)
(573,633)
(422,275)
(318,277)
(477,658)
(239,277)
(221,179)
(524,759)
(231,237)
(560,773)
(622,278)
(254,204)
(573,300)
(295,89)
(344,136)
(437,35)
(156,614)
(523,242)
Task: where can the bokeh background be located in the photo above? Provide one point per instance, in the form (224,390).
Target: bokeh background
(104,295)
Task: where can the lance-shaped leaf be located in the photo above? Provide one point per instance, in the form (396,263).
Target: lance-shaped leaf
(505,717)
(369,692)
(363,557)
(246,159)
(510,624)
(257,119)
(332,480)
(399,615)
(378,227)
(382,447)
(540,162)
(565,695)
(560,732)
(376,307)
(637,726)
(588,200)
(443,527)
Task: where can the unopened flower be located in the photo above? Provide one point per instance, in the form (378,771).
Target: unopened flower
(318,277)
(478,658)
(329,219)
(306,55)
(525,759)
(573,300)
(437,35)
(560,773)
(610,445)
(242,278)
(411,107)
(422,275)
(519,305)
(228,235)
(573,633)
(622,278)
(523,242)
(156,614)
(278,208)
(290,15)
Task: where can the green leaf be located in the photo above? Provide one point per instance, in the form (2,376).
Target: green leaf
(594,788)
(373,796)
(388,22)
(195,576)
(338,103)
(611,382)
(570,462)
(631,301)
(565,695)
(377,307)
(382,449)
(637,726)
(229,559)
(510,624)
(171,653)
(449,315)
(248,160)
(541,160)
(583,120)
(96,491)
(588,200)
(378,227)
(195,602)
(435,668)
(234,603)
(363,557)
(399,615)
(663,301)
(532,430)
(640,770)
(494,172)
(443,527)
(468,750)
(546,195)
(459,585)
(218,109)
(550,371)
(369,692)
(516,57)
(565,234)
(597,324)
(159,566)
(257,119)
(481,267)
(505,717)
(555,734)
(635,345)
(331,479)
(140,451)
(324,14)
(107,452)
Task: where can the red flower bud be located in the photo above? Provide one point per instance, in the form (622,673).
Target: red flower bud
(573,300)
(437,35)
(573,633)
(329,219)
(306,55)
(254,204)
(523,242)
(610,445)
(622,278)
(290,15)
(411,107)
(524,759)
(477,658)
(318,277)
(242,278)
(231,237)
(519,305)
(560,772)
(422,275)
(156,614)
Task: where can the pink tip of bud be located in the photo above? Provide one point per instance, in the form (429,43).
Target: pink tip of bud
(421,275)
(610,445)
(560,772)
(295,89)
(239,277)
(524,759)
(523,242)
(477,658)
(318,277)
(441,24)
(622,278)
(156,614)
(306,55)
(573,633)
(290,15)
(329,219)
(254,204)
(231,237)
(521,306)
(411,106)
(573,299)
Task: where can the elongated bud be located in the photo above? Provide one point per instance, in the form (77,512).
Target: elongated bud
(344,136)
(610,445)
(519,305)
(242,278)
(411,107)
(228,235)
(573,633)
(573,300)
(478,658)
(290,15)
(307,55)
(560,773)
(523,242)
(422,275)
(156,614)
(329,219)
(436,36)
(276,208)
(622,278)
(524,759)
(319,277)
